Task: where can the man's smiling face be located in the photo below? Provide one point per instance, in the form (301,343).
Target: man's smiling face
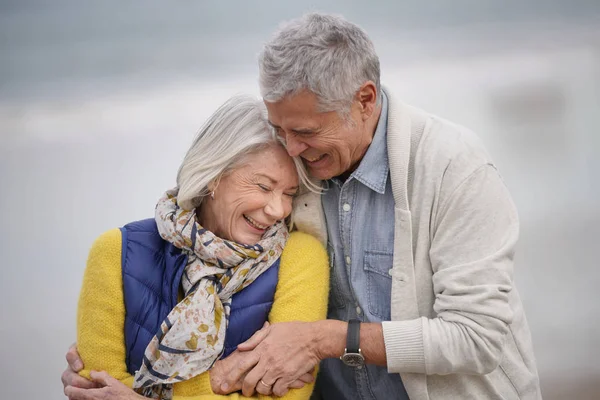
(328,144)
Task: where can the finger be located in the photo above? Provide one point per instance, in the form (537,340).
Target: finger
(297,384)
(102,377)
(70,378)
(255,339)
(217,380)
(217,388)
(263,388)
(280,388)
(73,358)
(307,378)
(239,372)
(252,378)
(74,393)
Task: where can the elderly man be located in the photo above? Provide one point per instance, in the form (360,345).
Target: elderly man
(420,229)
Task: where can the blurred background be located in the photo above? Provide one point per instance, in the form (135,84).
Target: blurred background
(100,100)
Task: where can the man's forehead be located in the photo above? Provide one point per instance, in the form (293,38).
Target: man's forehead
(294,113)
(301,102)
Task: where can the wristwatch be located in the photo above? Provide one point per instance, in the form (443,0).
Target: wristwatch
(352,356)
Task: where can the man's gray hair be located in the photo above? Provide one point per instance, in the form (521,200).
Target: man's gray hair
(324,54)
(236,130)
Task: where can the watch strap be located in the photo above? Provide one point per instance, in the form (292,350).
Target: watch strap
(353,336)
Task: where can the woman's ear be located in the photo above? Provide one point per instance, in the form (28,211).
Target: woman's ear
(212,185)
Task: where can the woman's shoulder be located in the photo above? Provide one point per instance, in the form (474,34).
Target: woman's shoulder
(303,285)
(104,258)
(303,246)
(301,241)
(109,241)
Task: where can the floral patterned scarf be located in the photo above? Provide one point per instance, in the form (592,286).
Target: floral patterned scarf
(192,336)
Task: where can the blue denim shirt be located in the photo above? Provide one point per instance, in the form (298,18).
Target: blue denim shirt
(360,225)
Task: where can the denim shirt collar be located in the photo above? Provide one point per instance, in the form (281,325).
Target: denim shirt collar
(373,170)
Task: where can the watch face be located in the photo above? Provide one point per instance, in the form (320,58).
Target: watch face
(353,359)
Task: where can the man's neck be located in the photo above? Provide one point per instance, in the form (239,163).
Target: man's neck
(371,127)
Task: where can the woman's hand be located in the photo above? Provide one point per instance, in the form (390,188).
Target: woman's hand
(108,389)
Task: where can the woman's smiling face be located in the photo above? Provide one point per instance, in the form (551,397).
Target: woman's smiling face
(252,197)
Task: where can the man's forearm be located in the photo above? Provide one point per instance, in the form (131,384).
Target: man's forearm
(331,340)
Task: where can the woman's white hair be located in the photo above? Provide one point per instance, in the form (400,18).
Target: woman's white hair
(237,129)
(322,53)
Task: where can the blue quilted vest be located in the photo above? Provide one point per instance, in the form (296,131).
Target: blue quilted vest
(152,270)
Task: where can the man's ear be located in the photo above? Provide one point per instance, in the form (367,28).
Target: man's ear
(367,99)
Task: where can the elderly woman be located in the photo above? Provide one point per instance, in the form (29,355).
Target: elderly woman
(164,299)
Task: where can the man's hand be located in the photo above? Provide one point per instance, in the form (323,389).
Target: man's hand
(227,375)
(109,389)
(70,376)
(282,353)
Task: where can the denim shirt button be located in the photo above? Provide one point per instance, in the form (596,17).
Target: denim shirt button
(348,260)
(391,271)
(346,207)
(358,310)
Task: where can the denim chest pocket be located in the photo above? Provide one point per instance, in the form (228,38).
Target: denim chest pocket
(378,266)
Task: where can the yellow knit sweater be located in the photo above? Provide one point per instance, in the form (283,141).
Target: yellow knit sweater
(301,295)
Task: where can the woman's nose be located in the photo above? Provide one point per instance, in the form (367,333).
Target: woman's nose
(275,207)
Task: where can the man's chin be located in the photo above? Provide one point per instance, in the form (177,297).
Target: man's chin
(321,169)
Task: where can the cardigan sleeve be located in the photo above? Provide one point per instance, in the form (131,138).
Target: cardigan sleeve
(471,255)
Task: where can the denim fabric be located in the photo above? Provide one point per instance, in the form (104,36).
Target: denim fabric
(360,225)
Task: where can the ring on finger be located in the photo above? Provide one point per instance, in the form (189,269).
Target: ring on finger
(265,384)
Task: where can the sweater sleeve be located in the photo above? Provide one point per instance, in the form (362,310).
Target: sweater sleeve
(101,310)
(471,256)
(302,289)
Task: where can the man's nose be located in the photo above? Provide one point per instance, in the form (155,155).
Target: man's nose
(294,146)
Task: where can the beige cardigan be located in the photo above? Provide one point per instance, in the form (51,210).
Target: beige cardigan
(458,330)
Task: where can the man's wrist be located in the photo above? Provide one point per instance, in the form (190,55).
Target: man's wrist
(330,338)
